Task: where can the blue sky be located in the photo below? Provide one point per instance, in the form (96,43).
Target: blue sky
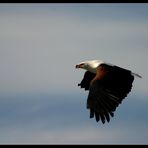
(39,47)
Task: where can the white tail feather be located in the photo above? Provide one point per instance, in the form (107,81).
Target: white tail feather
(137,75)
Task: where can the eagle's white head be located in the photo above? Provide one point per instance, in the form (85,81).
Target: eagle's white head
(90,65)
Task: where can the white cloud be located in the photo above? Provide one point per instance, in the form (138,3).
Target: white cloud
(39,48)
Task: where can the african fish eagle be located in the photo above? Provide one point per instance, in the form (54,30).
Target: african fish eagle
(108,85)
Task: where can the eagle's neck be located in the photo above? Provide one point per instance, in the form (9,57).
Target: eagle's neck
(92,65)
(93,70)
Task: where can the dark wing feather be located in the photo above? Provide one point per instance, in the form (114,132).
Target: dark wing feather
(85,83)
(117,81)
(107,90)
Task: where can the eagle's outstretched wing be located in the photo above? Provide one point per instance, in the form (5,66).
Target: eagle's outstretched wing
(107,89)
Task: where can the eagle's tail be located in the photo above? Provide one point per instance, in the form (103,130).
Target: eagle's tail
(137,75)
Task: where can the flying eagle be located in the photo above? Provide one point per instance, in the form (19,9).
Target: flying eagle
(108,85)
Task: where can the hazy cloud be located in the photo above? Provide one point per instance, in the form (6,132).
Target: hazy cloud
(39,47)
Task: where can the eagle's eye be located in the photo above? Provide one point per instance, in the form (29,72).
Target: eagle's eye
(82,64)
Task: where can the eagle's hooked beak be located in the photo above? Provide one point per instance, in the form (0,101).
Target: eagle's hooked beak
(79,65)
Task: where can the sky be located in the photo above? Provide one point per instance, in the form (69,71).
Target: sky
(40,44)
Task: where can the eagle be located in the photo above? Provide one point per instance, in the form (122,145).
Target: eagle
(107,84)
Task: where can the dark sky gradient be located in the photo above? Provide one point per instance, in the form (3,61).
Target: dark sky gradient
(43,119)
